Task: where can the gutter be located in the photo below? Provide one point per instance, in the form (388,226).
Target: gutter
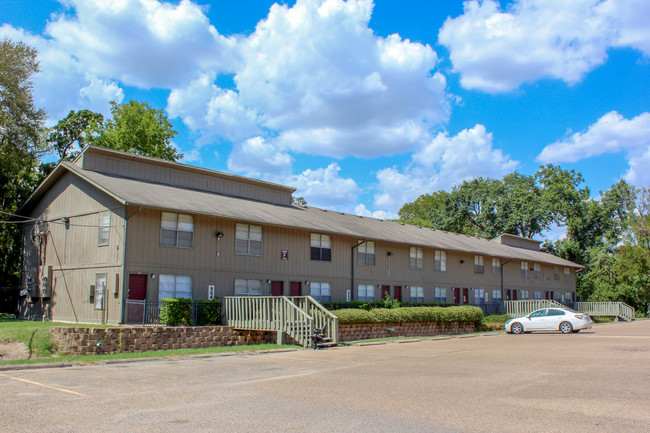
(352,267)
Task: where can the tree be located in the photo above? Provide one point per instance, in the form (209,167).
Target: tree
(299,201)
(137,128)
(21,124)
(74,129)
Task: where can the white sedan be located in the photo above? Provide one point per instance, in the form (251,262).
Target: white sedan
(550,319)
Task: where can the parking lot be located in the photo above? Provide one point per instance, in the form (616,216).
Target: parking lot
(596,381)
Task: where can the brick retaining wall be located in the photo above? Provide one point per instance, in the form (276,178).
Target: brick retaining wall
(88,341)
(365,331)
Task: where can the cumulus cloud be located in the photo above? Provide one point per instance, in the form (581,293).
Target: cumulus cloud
(612,133)
(361,210)
(324,187)
(443,162)
(497,50)
(257,156)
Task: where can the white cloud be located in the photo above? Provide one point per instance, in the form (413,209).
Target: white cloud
(361,210)
(324,187)
(445,161)
(192,156)
(497,50)
(257,156)
(612,133)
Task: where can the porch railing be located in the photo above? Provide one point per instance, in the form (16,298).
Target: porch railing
(322,316)
(614,309)
(521,308)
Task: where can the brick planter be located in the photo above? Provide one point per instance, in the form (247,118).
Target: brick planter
(88,341)
(365,331)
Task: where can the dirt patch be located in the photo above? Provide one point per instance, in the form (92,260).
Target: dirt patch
(11,351)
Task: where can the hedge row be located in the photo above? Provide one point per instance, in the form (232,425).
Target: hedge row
(369,305)
(178,311)
(410,314)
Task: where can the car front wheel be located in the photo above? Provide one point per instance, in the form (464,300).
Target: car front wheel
(517,328)
(566,328)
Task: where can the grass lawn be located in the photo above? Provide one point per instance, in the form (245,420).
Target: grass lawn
(494,322)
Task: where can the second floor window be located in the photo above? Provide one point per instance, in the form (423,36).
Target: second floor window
(537,273)
(321,247)
(440,261)
(366,254)
(176,230)
(103,235)
(248,240)
(567,274)
(496,266)
(416,258)
(556,273)
(478,265)
(524,269)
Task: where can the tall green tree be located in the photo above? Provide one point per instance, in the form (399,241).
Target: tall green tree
(21,123)
(72,132)
(137,128)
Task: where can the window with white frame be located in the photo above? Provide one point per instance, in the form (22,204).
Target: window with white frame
(321,247)
(524,269)
(416,258)
(417,294)
(100,291)
(496,266)
(479,296)
(174,286)
(478,265)
(248,287)
(496,295)
(538,294)
(104,232)
(440,294)
(525,294)
(567,274)
(320,291)
(366,254)
(366,292)
(248,240)
(537,272)
(556,273)
(176,230)
(440,261)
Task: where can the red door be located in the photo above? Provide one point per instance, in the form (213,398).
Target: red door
(508,294)
(137,292)
(397,292)
(277,288)
(514,295)
(294,288)
(465,296)
(385,292)
(546,294)
(573,297)
(456,295)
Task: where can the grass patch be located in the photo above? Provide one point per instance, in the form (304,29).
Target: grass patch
(179,353)
(602,319)
(493,322)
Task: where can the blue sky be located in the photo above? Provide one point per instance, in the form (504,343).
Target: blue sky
(361,106)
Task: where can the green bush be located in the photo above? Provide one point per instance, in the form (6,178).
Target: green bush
(208,312)
(411,314)
(369,305)
(174,312)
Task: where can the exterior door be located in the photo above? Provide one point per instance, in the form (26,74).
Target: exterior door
(385,292)
(277,288)
(397,292)
(536,320)
(546,294)
(508,294)
(514,295)
(294,288)
(465,296)
(456,295)
(137,292)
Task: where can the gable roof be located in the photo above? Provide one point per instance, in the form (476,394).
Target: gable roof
(129,191)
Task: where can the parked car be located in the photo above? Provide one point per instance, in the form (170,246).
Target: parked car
(550,319)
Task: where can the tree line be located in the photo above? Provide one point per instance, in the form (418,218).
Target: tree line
(609,235)
(29,150)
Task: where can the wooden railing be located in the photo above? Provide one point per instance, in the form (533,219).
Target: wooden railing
(322,316)
(614,309)
(521,308)
(296,316)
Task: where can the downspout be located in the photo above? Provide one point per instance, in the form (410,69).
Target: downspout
(503,298)
(126,218)
(352,267)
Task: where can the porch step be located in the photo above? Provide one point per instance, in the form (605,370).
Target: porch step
(326,344)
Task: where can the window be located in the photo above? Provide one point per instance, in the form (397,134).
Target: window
(366,254)
(440,261)
(417,294)
(416,258)
(176,230)
(536,271)
(538,313)
(538,294)
(321,248)
(366,292)
(248,240)
(320,291)
(478,265)
(524,269)
(174,286)
(248,287)
(554,312)
(440,294)
(479,296)
(496,295)
(103,236)
(556,273)
(100,291)
(567,274)
(525,294)
(496,266)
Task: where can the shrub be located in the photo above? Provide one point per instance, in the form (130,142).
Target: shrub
(411,314)
(369,305)
(208,312)
(174,312)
